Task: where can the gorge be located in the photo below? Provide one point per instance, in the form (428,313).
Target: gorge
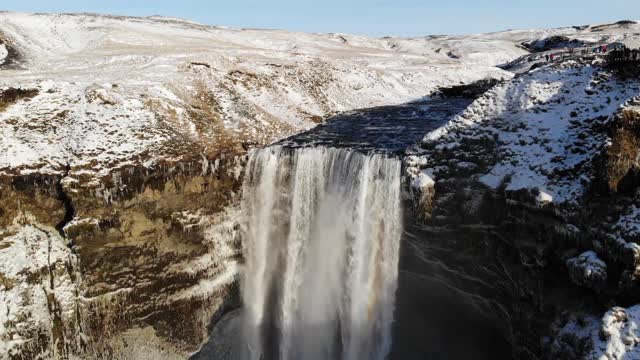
(173,190)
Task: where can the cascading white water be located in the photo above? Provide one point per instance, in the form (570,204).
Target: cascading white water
(322,231)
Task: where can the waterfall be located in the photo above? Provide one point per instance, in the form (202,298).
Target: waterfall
(322,229)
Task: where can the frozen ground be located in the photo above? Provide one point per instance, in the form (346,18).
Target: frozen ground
(121,90)
(113,90)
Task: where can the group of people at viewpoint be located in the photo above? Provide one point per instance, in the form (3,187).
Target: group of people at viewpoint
(616,52)
(596,50)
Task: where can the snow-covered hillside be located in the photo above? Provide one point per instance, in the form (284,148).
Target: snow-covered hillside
(112,90)
(542,129)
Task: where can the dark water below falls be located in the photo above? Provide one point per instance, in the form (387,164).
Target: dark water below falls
(322,231)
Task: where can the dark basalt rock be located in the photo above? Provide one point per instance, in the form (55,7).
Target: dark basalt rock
(469,91)
(529,265)
(588,270)
(553,42)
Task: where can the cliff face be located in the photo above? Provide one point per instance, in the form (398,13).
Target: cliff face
(165,251)
(621,159)
(38,271)
(148,252)
(522,196)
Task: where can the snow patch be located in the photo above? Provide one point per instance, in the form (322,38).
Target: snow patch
(621,334)
(3,53)
(423,180)
(543,197)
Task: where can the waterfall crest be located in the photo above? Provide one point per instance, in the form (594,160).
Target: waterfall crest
(322,230)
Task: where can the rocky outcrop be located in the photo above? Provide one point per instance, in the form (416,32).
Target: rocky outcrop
(470,91)
(614,336)
(621,168)
(588,270)
(554,42)
(11,95)
(9,56)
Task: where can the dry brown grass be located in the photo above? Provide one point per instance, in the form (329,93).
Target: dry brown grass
(630,119)
(12,95)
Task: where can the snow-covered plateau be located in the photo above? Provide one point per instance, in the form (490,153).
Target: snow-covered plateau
(124,141)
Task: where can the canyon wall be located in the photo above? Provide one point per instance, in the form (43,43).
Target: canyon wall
(123,142)
(140,261)
(122,146)
(526,201)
